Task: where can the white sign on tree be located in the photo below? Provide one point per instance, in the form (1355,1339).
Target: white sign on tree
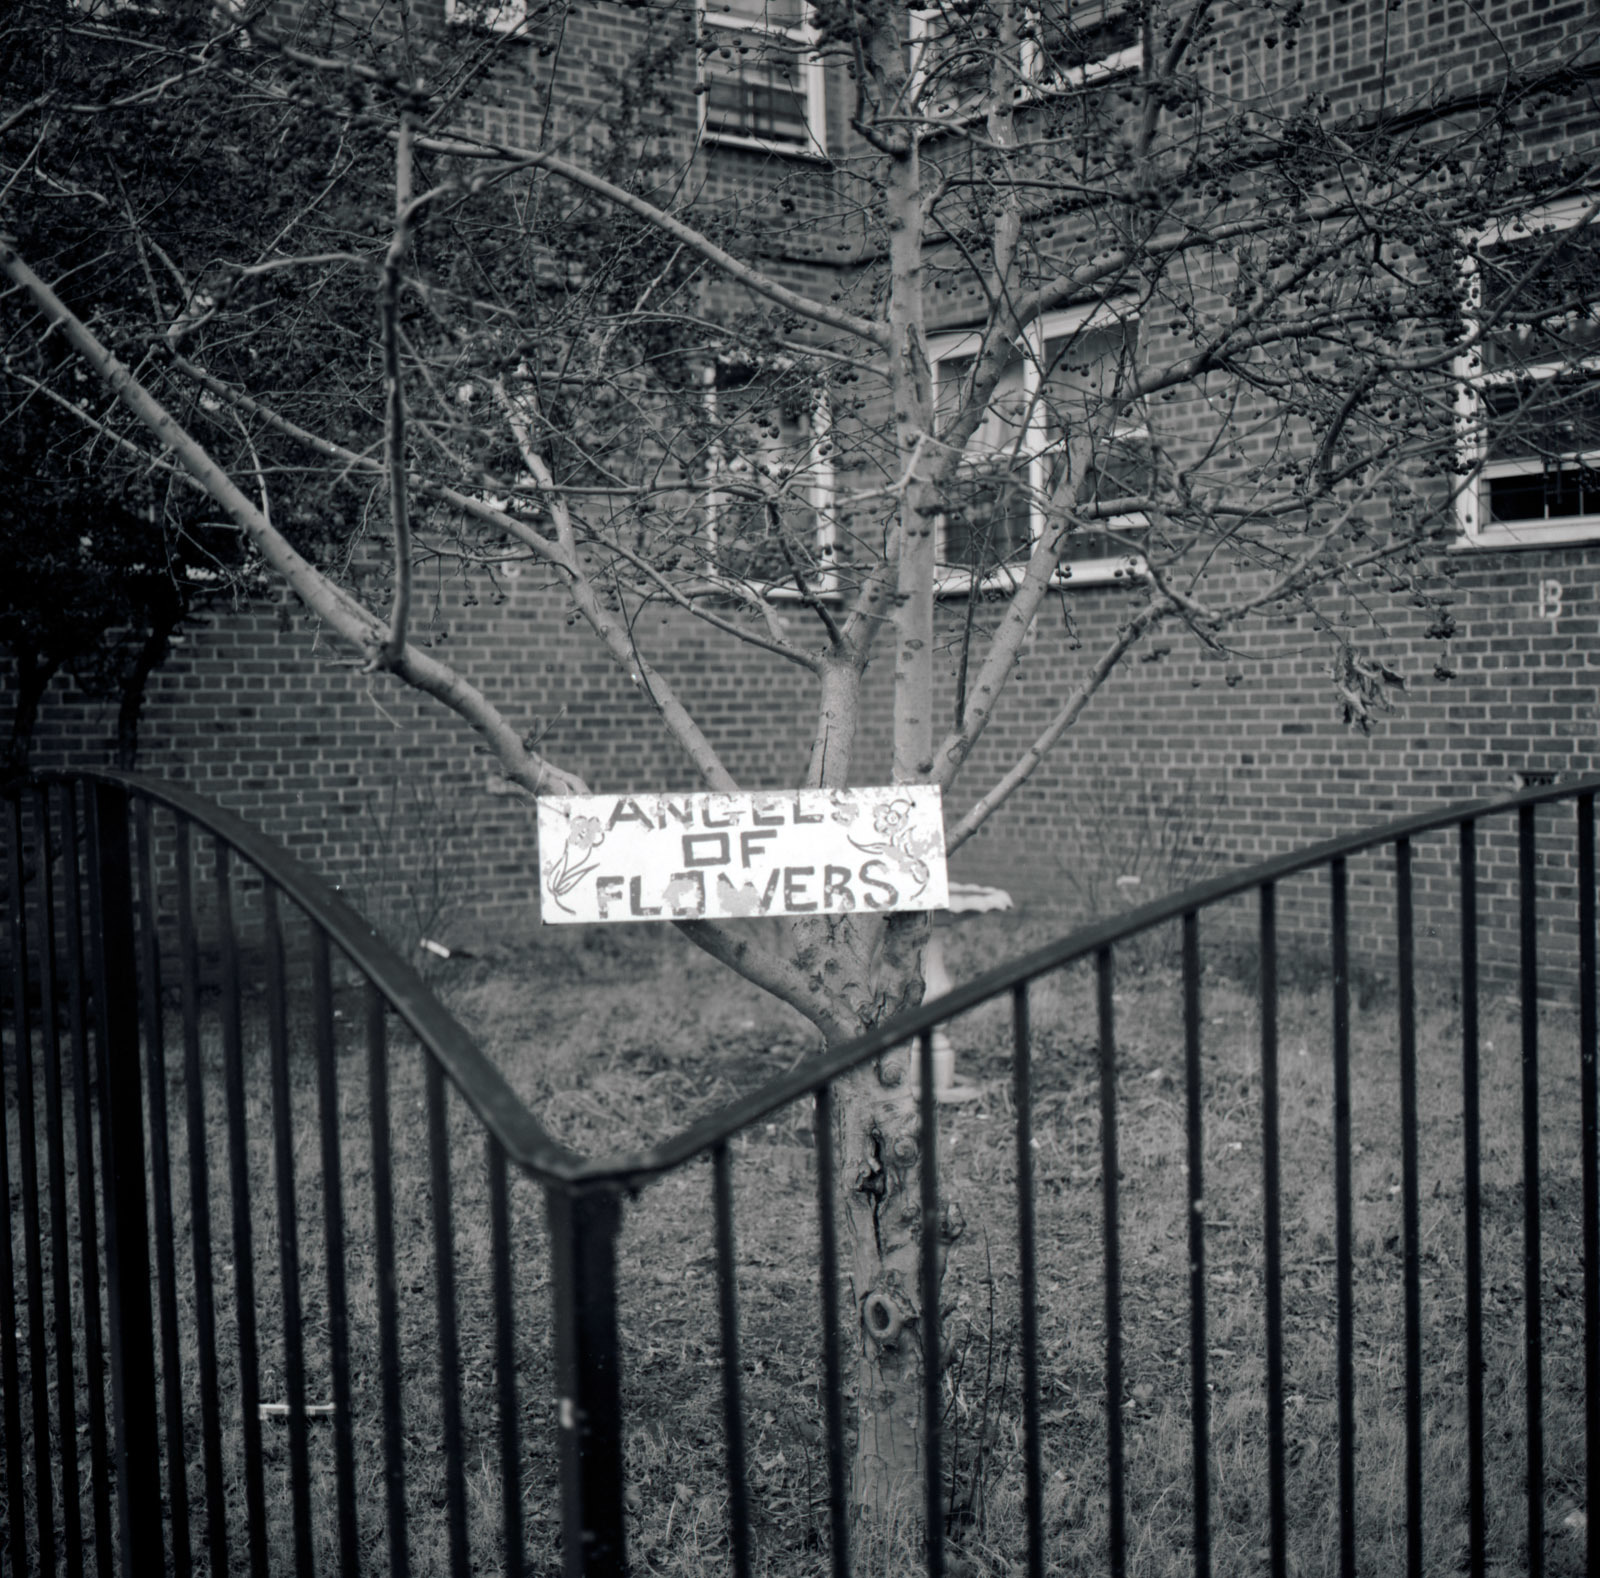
(728,856)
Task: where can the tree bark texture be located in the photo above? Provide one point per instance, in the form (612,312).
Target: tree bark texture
(879,1151)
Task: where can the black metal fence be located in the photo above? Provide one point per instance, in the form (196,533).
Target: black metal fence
(265,1310)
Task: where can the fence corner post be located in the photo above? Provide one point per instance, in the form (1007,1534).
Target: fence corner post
(583,1231)
(127,1246)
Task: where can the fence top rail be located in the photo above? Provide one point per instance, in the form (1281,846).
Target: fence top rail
(526,1142)
(636,1167)
(481,1084)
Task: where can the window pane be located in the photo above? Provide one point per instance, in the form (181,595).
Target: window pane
(956,60)
(1074,36)
(768,13)
(1084,372)
(1022,445)
(1085,369)
(1542,293)
(1517,498)
(1121,468)
(1004,424)
(1560,493)
(986,524)
(765,540)
(1543,418)
(950,374)
(986,518)
(753,92)
(762,507)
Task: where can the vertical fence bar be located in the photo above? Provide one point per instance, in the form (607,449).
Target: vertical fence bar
(294,1364)
(732,1384)
(1532,1302)
(133,1382)
(1199,1395)
(394,1469)
(1405,960)
(10,1354)
(1028,1276)
(244,1276)
(60,1244)
(32,1227)
(1471,1183)
(1117,1534)
(444,1282)
(333,1243)
(155,1045)
(197,1129)
(1272,1236)
(1344,1291)
(1590,1098)
(932,1338)
(505,1358)
(88,1216)
(583,1238)
(832,1380)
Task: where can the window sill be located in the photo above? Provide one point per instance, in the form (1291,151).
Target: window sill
(777,593)
(1079,79)
(810,152)
(1090,575)
(1577,533)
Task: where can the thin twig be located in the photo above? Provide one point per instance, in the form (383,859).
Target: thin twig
(394,419)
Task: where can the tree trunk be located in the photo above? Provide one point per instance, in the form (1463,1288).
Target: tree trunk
(33,676)
(165,617)
(879,1158)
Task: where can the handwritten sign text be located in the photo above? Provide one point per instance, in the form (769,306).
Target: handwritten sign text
(740,856)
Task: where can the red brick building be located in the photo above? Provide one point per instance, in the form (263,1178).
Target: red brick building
(1185,760)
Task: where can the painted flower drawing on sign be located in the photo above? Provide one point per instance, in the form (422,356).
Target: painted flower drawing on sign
(902,842)
(584,833)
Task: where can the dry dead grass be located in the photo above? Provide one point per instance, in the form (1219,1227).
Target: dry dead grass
(619,1038)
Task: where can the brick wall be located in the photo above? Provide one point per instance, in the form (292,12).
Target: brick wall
(1236,759)
(1227,760)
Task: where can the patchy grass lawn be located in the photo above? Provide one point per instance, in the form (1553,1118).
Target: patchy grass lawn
(617,1038)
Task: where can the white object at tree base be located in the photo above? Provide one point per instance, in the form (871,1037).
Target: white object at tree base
(965,898)
(740,856)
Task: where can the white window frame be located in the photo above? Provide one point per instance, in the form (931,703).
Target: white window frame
(494,16)
(104,10)
(1111,570)
(712,20)
(819,494)
(1472,497)
(1032,80)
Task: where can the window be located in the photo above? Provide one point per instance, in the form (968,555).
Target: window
(770,478)
(1054,431)
(1070,45)
(1531,415)
(497,16)
(1062,44)
(762,78)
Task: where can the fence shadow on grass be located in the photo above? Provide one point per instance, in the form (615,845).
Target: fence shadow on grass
(295,1282)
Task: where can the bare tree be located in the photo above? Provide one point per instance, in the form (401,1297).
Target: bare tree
(1096,293)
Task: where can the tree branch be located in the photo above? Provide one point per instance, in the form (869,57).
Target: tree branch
(1128,636)
(548,552)
(355,623)
(616,636)
(820,312)
(394,419)
(742,953)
